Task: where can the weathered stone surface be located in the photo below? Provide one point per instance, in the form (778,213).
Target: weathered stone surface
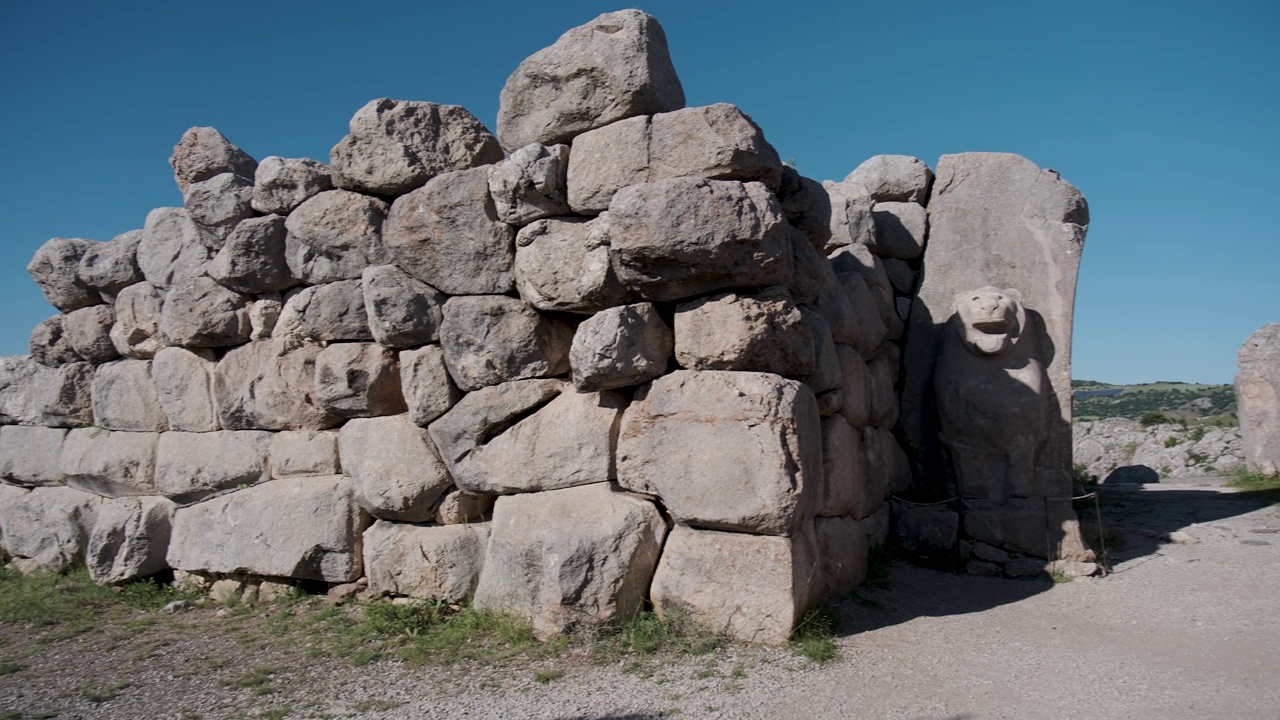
(49,344)
(619,347)
(531,184)
(725,450)
(847,322)
(342,227)
(847,489)
(577,556)
(903,280)
(882,374)
(762,332)
(184,386)
(428,390)
(264,313)
(1132,474)
(490,339)
(1039,527)
(88,330)
(328,313)
(269,386)
(614,67)
(807,206)
(484,414)
(886,462)
(173,247)
(457,507)
(191,466)
(48,526)
(29,455)
(894,178)
(125,398)
(448,235)
(220,202)
(826,361)
(304,453)
(56,269)
(403,311)
(998,220)
(858,260)
(280,185)
(136,332)
(304,528)
(61,396)
(437,563)
(359,380)
(18,403)
(855,382)
(1257,386)
(852,221)
(398,474)
(397,145)
(253,259)
(829,402)
(605,160)
(110,267)
(1104,445)
(929,530)
(673,239)
(569,441)
(202,153)
(749,587)
(563,264)
(201,313)
(810,269)
(109,464)
(843,549)
(900,229)
(878,525)
(129,539)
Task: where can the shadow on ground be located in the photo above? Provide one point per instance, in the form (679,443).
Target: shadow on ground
(1137,522)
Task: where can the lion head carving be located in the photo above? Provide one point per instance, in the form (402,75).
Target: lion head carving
(989,320)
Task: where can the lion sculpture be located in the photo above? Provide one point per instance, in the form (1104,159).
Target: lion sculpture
(992,395)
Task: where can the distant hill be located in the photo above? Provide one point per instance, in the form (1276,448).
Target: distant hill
(1203,404)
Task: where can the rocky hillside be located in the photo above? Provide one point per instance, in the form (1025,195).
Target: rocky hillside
(1214,404)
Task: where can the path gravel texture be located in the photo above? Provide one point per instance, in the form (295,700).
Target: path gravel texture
(1186,626)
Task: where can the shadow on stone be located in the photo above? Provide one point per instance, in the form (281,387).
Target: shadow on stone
(1132,475)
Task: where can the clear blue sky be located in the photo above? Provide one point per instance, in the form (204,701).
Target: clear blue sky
(1165,115)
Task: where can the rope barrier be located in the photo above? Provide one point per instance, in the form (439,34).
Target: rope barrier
(895,498)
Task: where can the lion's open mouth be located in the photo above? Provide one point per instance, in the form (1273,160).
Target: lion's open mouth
(992,327)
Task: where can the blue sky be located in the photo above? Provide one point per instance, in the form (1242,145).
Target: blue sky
(1166,116)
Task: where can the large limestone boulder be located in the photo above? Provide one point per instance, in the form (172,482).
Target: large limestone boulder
(563,264)
(88,330)
(436,563)
(184,385)
(268,385)
(304,453)
(531,184)
(331,312)
(395,467)
(302,528)
(492,339)
(280,185)
(48,527)
(826,361)
(807,206)
(403,311)
(203,153)
(198,312)
(125,398)
(129,539)
(673,239)
(112,464)
(900,229)
(725,450)
(19,404)
(619,347)
(173,247)
(29,455)
(49,344)
(486,413)
(359,380)
(220,202)
(112,266)
(1257,386)
(429,392)
(254,257)
(448,234)
(136,332)
(397,145)
(342,226)
(761,332)
(852,221)
(578,556)
(569,441)
(749,587)
(59,397)
(847,489)
(894,178)
(192,466)
(614,67)
(55,268)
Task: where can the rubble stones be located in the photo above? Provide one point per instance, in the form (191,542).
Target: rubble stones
(125,398)
(112,464)
(199,312)
(173,247)
(614,67)
(403,311)
(192,466)
(342,227)
(49,344)
(458,508)
(490,339)
(56,269)
(220,202)
(280,185)
(531,184)
(129,539)
(436,563)
(619,347)
(358,380)
(894,178)
(563,264)
(397,145)
(110,267)
(202,153)
(254,257)
(88,330)
(304,528)
(395,467)
(136,332)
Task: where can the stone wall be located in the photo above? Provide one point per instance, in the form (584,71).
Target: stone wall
(617,354)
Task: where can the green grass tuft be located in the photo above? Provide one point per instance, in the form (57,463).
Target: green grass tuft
(1250,480)
(814,635)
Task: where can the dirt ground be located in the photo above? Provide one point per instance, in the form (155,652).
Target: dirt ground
(1186,626)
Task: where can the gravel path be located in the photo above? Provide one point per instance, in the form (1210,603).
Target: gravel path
(1182,629)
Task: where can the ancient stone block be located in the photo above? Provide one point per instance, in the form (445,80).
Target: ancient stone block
(29,455)
(304,453)
(202,153)
(887,466)
(619,347)
(762,332)
(614,67)
(851,221)
(436,563)
(125,398)
(220,202)
(826,361)
(254,257)
(267,385)
(725,450)
(428,390)
(173,247)
(563,264)
(894,178)
(843,549)
(48,526)
(136,332)
(605,160)
(1257,386)
(49,344)
(847,490)
(403,311)
(484,414)
(458,508)
(345,227)
(184,386)
(280,185)
(19,405)
(199,312)
(397,472)
(490,339)
(577,556)
(55,268)
(112,266)
(191,466)
(88,330)
(531,184)
(61,396)
(303,528)
(331,312)
(900,229)
(129,539)
(358,380)
(882,374)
